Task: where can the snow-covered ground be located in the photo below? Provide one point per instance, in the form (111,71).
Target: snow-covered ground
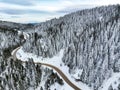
(56,61)
(114,81)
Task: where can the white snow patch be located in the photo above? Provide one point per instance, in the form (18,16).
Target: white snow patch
(56,86)
(100,18)
(26,36)
(114,80)
(77,73)
(19,32)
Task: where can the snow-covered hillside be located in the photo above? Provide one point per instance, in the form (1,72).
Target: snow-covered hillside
(16,75)
(90,39)
(84,45)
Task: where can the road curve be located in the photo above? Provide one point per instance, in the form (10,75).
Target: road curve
(14,53)
(54,67)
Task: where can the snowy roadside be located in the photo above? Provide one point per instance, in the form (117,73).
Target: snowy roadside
(56,61)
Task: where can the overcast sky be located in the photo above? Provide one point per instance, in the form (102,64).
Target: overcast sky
(32,11)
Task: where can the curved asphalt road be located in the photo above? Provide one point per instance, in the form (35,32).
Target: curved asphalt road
(55,68)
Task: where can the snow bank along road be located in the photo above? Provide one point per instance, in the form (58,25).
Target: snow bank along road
(54,67)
